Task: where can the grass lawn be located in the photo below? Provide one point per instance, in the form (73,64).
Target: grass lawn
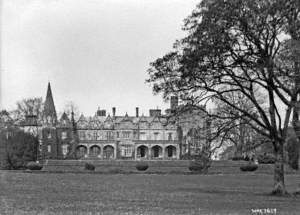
(25,193)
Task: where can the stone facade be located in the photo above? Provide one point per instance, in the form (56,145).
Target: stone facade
(102,136)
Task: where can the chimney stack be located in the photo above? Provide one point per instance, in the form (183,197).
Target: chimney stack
(114,111)
(137,112)
(155,112)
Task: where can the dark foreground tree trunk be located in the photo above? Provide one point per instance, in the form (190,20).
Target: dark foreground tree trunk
(279,186)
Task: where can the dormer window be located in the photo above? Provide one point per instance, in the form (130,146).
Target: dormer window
(63,135)
(49,119)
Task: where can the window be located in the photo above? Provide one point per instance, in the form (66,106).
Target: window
(49,148)
(89,135)
(110,135)
(81,135)
(64,135)
(135,135)
(126,151)
(96,136)
(170,136)
(94,151)
(65,149)
(126,134)
(49,135)
(118,134)
(142,136)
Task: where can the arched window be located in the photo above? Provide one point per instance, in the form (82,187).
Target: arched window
(108,152)
(142,152)
(81,151)
(170,151)
(94,151)
(156,151)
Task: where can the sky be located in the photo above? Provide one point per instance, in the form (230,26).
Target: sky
(95,53)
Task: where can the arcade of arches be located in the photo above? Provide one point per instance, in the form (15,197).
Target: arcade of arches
(108,152)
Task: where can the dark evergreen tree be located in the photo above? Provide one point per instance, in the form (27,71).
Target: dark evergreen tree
(19,148)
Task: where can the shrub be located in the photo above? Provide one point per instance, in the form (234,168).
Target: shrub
(240,158)
(200,165)
(237,158)
(20,148)
(266,159)
(142,166)
(249,167)
(89,166)
(195,167)
(34,166)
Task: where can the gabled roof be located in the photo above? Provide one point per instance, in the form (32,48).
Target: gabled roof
(143,119)
(108,119)
(95,122)
(109,123)
(64,121)
(81,118)
(126,118)
(155,119)
(82,122)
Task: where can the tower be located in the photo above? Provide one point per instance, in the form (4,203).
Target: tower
(49,114)
(49,143)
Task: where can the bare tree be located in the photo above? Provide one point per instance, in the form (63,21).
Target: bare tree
(28,106)
(236,47)
(70,107)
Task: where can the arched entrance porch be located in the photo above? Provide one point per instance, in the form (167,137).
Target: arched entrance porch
(156,152)
(170,152)
(142,152)
(94,151)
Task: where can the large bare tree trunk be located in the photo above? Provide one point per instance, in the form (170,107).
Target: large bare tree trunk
(279,186)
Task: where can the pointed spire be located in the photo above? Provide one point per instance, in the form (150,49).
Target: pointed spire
(49,108)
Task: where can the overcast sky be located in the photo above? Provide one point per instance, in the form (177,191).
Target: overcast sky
(94,52)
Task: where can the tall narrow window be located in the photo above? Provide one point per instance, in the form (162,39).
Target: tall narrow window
(65,149)
(126,151)
(126,134)
(63,135)
(142,136)
(82,135)
(49,148)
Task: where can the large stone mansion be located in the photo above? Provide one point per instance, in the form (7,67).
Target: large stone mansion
(113,136)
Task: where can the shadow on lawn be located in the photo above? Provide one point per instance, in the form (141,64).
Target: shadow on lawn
(232,192)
